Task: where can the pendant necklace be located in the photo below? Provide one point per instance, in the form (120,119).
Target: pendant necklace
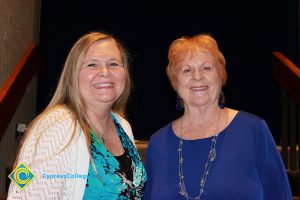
(102,139)
(211,157)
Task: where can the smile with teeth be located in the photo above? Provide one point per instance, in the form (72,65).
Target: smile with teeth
(199,88)
(103,85)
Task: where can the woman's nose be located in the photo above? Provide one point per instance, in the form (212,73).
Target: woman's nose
(197,75)
(103,71)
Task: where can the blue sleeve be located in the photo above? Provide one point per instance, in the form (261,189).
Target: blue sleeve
(147,191)
(270,166)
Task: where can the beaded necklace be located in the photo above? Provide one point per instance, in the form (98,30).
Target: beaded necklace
(211,157)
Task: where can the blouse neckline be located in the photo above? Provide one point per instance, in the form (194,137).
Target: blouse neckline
(207,138)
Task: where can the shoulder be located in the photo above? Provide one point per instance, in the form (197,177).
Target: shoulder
(125,125)
(55,125)
(49,133)
(251,123)
(160,140)
(249,118)
(121,120)
(57,112)
(53,117)
(161,132)
(248,122)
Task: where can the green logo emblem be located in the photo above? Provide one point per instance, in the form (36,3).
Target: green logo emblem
(22,176)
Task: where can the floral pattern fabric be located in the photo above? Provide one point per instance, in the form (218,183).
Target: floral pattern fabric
(109,182)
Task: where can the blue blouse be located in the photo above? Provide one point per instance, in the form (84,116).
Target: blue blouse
(248,165)
(111,182)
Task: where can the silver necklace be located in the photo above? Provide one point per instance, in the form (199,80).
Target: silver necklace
(211,157)
(102,139)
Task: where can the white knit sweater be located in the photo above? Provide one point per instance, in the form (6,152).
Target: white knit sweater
(44,153)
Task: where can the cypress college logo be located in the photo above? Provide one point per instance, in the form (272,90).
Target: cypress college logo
(22,176)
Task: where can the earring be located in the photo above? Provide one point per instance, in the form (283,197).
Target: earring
(221,100)
(179,103)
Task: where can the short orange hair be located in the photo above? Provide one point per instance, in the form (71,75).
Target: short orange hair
(184,46)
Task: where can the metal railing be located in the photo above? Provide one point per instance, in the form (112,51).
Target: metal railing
(287,74)
(14,88)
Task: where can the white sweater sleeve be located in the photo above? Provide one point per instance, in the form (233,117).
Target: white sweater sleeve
(42,153)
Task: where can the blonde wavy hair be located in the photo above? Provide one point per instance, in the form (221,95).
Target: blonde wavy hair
(67,91)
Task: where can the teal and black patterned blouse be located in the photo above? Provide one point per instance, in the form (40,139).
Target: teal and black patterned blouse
(112,182)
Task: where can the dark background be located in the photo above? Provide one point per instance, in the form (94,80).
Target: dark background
(247,32)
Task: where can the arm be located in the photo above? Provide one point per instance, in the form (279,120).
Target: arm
(147,192)
(42,153)
(270,166)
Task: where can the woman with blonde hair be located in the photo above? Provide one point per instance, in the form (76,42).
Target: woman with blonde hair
(81,147)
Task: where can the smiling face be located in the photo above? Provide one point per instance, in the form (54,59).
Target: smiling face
(198,79)
(102,75)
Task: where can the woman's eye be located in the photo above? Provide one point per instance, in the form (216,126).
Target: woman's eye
(186,70)
(91,65)
(207,67)
(114,64)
